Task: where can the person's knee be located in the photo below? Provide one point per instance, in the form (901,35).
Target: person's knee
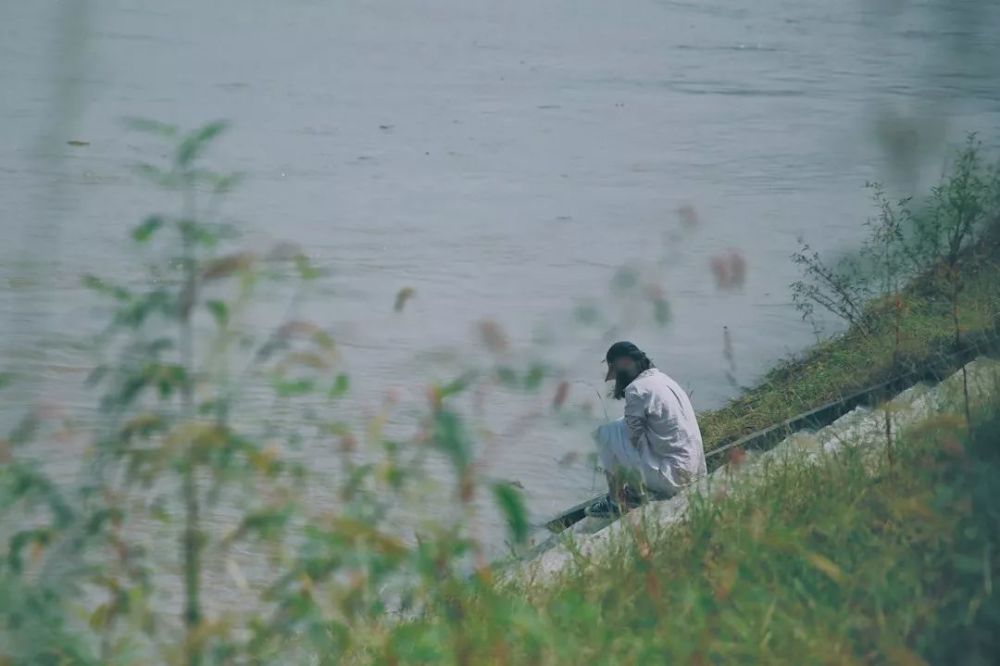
(608,461)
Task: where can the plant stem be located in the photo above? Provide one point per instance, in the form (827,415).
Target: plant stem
(192,566)
(192,539)
(958,346)
(888,435)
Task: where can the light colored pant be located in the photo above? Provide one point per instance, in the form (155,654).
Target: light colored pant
(621,459)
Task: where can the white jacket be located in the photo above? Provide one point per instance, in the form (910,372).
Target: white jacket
(663,428)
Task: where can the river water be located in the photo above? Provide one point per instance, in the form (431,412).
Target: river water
(501,159)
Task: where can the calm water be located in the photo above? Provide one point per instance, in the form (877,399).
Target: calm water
(500,158)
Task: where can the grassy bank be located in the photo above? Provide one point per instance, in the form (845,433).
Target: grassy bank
(855,360)
(830,564)
(919,328)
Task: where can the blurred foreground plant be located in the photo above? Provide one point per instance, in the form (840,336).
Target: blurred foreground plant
(185,492)
(191,536)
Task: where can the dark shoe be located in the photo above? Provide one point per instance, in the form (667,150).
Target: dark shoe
(603,508)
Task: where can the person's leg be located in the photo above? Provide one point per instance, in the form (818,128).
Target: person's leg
(630,478)
(612,473)
(621,463)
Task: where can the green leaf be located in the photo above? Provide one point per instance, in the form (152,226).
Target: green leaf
(226,183)
(457,385)
(135,313)
(102,517)
(220,311)
(167,377)
(511,505)
(534,377)
(288,389)
(449,437)
(40,536)
(227,266)
(211,407)
(324,340)
(587,314)
(157,346)
(95,283)
(306,270)
(507,376)
(145,231)
(206,235)
(338,428)
(150,126)
(196,142)
(6,379)
(158,176)
(624,279)
(340,386)
(265,523)
(100,617)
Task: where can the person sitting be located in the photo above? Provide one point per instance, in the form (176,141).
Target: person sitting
(655,449)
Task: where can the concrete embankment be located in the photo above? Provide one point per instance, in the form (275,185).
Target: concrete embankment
(863,429)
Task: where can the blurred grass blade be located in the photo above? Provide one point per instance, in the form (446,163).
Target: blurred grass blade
(511,505)
(197,141)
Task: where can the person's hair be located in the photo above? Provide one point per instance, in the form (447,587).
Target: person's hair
(644,364)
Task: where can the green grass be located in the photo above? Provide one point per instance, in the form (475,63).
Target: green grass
(830,564)
(855,360)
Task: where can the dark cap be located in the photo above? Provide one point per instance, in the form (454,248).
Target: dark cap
(621,350)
